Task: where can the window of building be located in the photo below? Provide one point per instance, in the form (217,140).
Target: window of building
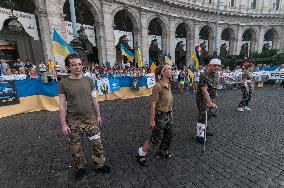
(232,3)
(253,4)
(275,4)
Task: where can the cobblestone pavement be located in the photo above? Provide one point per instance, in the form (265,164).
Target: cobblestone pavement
(246,151)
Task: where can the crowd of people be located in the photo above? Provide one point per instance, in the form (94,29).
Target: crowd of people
(20,70)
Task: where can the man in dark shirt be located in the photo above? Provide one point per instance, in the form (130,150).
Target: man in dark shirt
(81,116)
(205,96)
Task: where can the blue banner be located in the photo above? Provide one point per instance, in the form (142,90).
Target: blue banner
(114,84)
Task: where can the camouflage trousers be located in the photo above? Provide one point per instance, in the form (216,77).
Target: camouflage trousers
(162,133)
(246,96)
(81,128)
(202,107)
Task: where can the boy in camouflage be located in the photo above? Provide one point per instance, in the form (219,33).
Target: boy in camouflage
(81,116)
(247,87)
(160,117)
(206,93)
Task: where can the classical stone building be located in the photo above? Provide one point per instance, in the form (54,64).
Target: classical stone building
(156,26)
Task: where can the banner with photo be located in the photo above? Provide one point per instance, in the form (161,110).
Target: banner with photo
(103,86)
(135,83)
(8,93)
(114,84)
(151,81)
(27,20)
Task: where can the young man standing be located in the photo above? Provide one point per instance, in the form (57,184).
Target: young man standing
(206,92)
(80,116)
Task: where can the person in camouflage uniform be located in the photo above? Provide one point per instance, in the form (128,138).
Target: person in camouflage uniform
(206,93)
(81,116)
(247,87)
(161,120)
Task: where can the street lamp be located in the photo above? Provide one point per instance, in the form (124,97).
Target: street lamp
(217,27)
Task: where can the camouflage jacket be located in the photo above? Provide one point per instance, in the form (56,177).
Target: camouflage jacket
(209,80)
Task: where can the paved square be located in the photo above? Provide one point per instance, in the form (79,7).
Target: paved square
(246,151)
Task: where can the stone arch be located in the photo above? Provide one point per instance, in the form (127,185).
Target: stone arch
(22,43)
(95,53)
(182,54)
(206,35)
(275,39)
(228,37)
(157,28)
(126,25)
(249,37)
(133,15)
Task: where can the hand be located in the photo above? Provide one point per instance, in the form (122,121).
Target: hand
(212,105)
(152,124)
(65,129)
(99,121)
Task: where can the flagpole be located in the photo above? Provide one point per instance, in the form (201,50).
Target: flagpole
(73,17)
(217,26)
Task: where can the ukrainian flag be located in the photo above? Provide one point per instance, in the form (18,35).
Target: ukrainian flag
(126,53)
(60,47)
(196,57)
(139,58)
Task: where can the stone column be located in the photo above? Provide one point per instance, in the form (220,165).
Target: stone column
(189,47)
(172,39)
(239,41)
(144,38)
(100,36)
(45,34)
(109,33)
(218,43)
(260,39)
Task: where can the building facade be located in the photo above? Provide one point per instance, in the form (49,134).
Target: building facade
(159,26)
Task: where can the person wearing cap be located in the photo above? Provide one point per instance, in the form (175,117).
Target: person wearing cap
(247,88)
(206,93)
(160,117)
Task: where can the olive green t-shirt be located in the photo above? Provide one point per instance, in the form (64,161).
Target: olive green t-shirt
(78,93)
(163,96)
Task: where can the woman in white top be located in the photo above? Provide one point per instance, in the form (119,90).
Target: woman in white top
(9,75)
(196,79)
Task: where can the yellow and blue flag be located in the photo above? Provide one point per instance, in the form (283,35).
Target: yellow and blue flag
(139,58)
(196,57)
(60,47)
(126,53)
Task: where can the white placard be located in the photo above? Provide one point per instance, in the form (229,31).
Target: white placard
(153,37)
(89,30)
(103,86)
(151,81)
(279,75)
(27,20)
(118,34)
(183,40)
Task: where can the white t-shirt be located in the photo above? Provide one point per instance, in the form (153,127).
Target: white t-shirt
(21,77)
(196,76)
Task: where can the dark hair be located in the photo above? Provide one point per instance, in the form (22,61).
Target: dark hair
(70,56)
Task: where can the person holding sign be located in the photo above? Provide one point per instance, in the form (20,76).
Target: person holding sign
(160,117)
(247,87)
(80,116)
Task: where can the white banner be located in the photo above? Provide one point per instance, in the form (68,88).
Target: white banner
(103,86)
(89,30)
(27,20)
(278,75)
(151,81)
(118,34)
